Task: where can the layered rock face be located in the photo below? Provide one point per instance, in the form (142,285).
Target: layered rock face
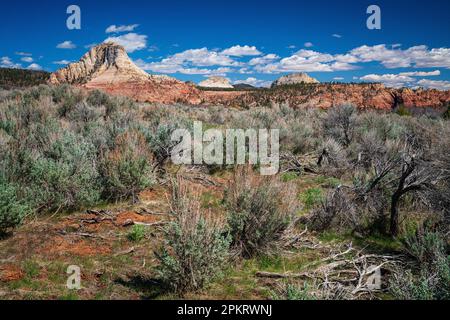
(295,78)
(216,82)
(108,67)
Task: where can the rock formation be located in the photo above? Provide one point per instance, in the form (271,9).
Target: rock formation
(325,95)
(294,78)
(216,82)
(108,67)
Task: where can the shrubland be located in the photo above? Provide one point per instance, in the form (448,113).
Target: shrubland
(384,175)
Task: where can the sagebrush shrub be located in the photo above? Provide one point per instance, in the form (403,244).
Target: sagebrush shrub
(432,281)
(260,210)
(64,176)
(195,247)
(12,209)
(128,168)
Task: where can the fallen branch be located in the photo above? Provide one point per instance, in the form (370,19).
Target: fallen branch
(274,275)
(128,251)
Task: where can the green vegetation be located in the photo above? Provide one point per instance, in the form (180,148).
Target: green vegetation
(137,233)
(194,250)
(19,78)
(260,210)
(370,179)
(312,197)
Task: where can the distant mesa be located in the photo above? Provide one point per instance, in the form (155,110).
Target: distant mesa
(244,86)
(294,78)
(216,82)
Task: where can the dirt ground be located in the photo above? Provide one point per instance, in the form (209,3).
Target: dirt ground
(34,260)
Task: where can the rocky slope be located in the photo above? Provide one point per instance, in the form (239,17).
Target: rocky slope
(108,67)
(216,82)
(363,96)
(294,78)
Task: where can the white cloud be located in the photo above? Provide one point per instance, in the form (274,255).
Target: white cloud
(27,59)
(21,53)
(390,80)
(62,62)
(338,78)
(421,73)
(130,41)
(292,46)
(434,84)
(153,48)
(308,44)
(307,61)
(240,51)
(34,66)
(66,45)
(255,82)
(117,29)
(198,58)
(90,46)
(263,60)
(6,62)
(336,35)
(312,61)
(418,56)
(171,66)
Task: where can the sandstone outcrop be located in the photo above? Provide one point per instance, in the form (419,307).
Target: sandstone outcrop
(107,67)
(216,82)
(294,78)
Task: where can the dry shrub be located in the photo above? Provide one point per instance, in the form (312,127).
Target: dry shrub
(260,210)
(195,246)
(336,212)
(127,169)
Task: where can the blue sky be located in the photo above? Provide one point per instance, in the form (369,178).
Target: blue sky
(247,41)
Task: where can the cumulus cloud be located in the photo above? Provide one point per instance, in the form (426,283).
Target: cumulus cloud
(338,78)
(434,84)
(421,73)
(131,41)
(336,35)
(254,82)
(417,57)
(66,45)
(172,65)
(118,29)
(27,59)
(390,80)
(62,62)
(240,51)
(308,44)
(263,60)
(306,61)
(6,62)
(34,66)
